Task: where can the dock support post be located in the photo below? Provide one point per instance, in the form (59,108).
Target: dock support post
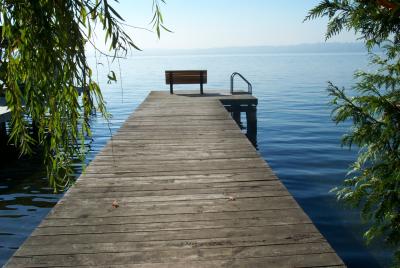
(236,115)
(251,118)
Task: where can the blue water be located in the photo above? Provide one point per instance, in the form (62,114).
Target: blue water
(295,135)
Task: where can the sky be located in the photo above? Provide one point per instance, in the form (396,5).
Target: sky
(226,23)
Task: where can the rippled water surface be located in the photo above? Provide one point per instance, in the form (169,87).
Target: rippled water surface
(295,135)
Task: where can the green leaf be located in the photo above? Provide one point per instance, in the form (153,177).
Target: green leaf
(111,77)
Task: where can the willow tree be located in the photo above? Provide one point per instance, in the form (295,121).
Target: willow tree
(42,65)
(373,183)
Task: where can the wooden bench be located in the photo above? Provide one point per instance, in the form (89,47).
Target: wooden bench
(185,77)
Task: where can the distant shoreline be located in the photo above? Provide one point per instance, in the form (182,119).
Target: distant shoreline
(314,48)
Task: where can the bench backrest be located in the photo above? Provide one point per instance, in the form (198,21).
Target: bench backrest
(186,77)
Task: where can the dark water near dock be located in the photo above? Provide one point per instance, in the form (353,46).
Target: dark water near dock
(295,135)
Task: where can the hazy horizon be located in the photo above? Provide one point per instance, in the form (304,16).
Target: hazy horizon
(328,45)
(323,47)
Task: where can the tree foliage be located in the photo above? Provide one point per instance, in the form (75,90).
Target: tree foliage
(43,63)
(373,183)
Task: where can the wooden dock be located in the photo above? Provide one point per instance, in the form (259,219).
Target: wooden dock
(178,185)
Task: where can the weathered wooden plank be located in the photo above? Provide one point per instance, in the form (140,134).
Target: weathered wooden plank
(111,155)
(151,173)
(107,180)
(188,222)
(100,199)
(282,232)
(198,143)
(126,159)
(228,161)
(121,137)
(160,181)
(165,147)
(234,242)
(209,146)
(222,118)
(279,261)
(184,165)
(171,226)
(275,216)
(181,255)
(189,122)
(173,207)
(182,188)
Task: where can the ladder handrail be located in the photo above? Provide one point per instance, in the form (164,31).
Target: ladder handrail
(249,86)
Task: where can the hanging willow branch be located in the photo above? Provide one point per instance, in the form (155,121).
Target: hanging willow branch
(373,182)
(42,65)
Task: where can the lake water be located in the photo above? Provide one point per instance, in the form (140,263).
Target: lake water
(295,135)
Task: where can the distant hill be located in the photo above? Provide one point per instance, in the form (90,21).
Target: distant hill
(301,48)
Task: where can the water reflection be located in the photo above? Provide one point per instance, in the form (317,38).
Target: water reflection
(25,198)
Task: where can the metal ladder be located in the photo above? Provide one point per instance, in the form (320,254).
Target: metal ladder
(249,86)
